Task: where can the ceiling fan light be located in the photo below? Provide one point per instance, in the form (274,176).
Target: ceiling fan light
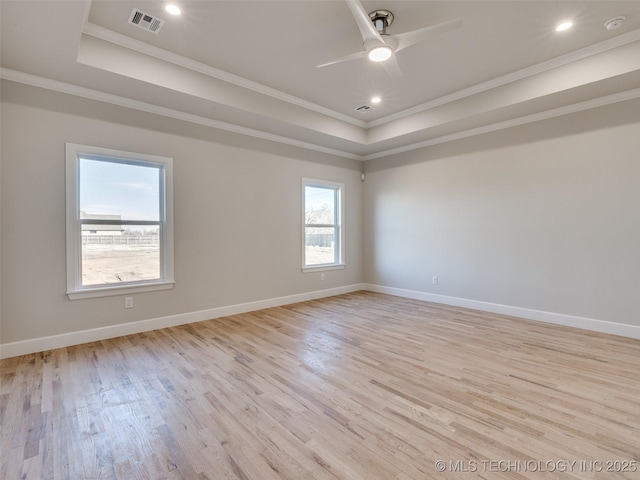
(380,53)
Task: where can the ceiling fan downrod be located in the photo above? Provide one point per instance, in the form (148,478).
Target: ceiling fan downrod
(381,20)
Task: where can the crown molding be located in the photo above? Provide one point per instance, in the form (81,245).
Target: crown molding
(62,87)
(144,48)
(591,50)
(536,117)
(182,61)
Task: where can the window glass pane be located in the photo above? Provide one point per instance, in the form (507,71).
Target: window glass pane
(319,205)
(114,254)
(320,245)
(119,191)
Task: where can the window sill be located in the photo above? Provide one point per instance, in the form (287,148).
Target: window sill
(118,290)
(323,268)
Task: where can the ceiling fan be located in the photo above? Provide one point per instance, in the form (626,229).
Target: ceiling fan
(378,45)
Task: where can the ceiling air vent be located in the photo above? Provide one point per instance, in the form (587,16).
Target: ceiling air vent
(363,108)
(145,21)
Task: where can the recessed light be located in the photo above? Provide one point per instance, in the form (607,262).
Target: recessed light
(564,26)
(375,100)
(172,9)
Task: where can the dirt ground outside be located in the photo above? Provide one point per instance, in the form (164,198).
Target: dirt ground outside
(108,264)
(319,255)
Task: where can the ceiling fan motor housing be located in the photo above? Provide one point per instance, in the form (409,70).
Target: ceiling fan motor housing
(381,19)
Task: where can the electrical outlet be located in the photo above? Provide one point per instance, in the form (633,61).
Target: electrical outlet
(128,302)
(434,280)
(322,276)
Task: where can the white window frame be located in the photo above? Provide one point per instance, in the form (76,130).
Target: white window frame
(338,225)
(75,289)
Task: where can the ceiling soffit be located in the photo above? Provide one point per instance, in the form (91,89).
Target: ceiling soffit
(401,131)
(139,75)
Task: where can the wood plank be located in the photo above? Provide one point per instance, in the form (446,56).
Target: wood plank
(361,385)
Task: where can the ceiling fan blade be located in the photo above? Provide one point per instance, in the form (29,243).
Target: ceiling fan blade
(368,31)
(407,39)
(392,67)
(353,56)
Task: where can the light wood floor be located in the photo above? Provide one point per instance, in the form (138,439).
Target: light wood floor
(360,386)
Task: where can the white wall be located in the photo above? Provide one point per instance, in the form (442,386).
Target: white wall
(543,217)
(237,214)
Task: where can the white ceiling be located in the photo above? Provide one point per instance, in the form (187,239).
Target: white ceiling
(250,66)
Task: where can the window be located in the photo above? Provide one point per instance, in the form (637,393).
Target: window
(119,222)
(323,233)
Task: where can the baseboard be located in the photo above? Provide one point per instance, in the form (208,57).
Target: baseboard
(25,347)
(602,326)
(95,334)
